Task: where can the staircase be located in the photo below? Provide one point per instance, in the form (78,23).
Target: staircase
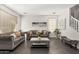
(74,23)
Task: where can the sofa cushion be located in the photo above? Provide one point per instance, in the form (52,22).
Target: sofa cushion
(16,39)
(33,33)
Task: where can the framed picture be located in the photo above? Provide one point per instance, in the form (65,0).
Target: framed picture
(39,24)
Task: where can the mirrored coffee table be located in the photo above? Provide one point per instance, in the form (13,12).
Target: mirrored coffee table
(35,41)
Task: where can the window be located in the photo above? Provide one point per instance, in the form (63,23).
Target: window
(52,24)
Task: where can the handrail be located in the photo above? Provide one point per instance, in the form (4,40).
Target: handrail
(74,18)
(75,25)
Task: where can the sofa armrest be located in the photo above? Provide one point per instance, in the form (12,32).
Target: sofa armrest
(6,42)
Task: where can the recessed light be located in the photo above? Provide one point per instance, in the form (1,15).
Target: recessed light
(25,12)
(53,12)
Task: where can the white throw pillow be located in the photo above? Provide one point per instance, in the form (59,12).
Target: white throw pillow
(13,35)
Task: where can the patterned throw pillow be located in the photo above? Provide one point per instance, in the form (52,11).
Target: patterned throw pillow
(18,34)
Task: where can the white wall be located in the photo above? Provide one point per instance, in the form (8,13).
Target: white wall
(26,22)
(3,7)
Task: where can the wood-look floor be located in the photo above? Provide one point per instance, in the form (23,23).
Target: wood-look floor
(56,47)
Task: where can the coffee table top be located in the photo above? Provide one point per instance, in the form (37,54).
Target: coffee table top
(41,39)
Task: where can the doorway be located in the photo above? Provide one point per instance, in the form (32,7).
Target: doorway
(52,25)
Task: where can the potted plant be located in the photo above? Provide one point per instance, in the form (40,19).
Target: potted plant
(57,33)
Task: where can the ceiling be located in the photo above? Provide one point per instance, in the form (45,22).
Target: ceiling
(37,9)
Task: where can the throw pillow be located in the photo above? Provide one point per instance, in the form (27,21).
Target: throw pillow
(18,34)
(13,35)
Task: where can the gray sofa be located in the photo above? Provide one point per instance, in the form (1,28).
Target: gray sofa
(73,43)
(8,42)
(34,33)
